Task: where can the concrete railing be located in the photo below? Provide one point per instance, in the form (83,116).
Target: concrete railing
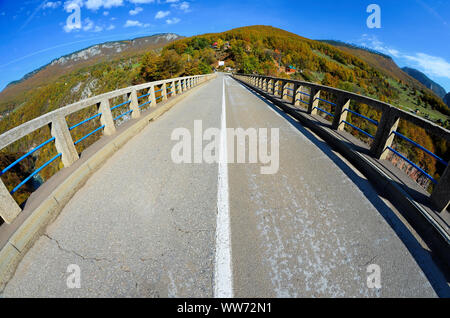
(386,127)
(65,146)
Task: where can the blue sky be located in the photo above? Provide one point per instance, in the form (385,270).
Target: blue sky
(415,33)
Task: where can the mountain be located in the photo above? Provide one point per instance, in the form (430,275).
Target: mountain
(376,59)
(447,99)
(435,87)
(255,49)
(92,55)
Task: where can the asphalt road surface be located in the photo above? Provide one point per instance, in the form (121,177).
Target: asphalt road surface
(144,226)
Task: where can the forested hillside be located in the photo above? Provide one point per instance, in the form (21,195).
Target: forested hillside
(270,51)
(257,49)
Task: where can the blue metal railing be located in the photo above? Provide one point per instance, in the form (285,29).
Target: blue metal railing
(88,135)
(413,164)
(362,116)
(359,129)
(324,100)
(84,121)
(120,105)
(421,147)
(324,111)
(142,96)
(298,99)
(140,106)
(26,155)
(34,173)
(124,114)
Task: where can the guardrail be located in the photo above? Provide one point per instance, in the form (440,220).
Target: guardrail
(386,126)
(60,131)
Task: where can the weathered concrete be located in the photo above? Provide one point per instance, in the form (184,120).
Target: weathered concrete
(27,232)
(64,142)
(9,209)
(292,234)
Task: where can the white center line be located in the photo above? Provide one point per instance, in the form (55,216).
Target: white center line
(223,276)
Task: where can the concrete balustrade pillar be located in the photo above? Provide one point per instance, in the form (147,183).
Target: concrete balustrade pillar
(106,118)
(313,101)
(385,134)
(164,92)
(134,105)
(299,96)
(152,96)
(174,89)
(179,87)
(441,192)
(295,88)
(63,141)
(9,209)
(281,89)
(340,114)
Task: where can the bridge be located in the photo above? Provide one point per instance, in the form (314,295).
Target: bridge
(136,223)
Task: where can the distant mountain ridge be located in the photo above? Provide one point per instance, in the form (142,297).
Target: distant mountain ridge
(355,46)
(106,49)
(85,57)
(447,99)
(425,80)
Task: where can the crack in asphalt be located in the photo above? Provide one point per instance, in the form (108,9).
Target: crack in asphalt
(76,253)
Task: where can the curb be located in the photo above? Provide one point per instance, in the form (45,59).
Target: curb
(35,225)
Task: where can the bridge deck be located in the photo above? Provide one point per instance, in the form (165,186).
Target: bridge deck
(144,226)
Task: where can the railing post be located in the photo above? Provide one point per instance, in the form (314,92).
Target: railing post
(385,133)
(294,93)
(313,101)
(134,105)
(9,209)
(164,92)
(63,141)
(441,192)
(152,96)
(106,117)
(299,95)
(174,88)
(281,89)
(339,113)
(265,85)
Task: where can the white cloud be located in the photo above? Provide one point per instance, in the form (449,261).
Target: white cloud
(183,6)
(372,42)
(134,23)
(136,11)
(162,14)
(111,27)
(52,5)
(106,13)
(96,4)
(430,65)
(433,65)
(88,24)
(68,5)
(142,1)
(173,21)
